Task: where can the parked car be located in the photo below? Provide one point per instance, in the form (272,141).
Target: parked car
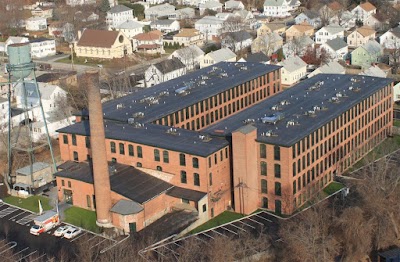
(61,231)
(72,232)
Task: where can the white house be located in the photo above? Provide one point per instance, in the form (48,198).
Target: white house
(280,8)
(236,41)
(297,46)
(164,71)
(211,5)
(42,47)
(165,26)
(332,67)
(154,12)
(374,22)
(130,28)
(189,36)
(293,69)
(209,26)
(155,2)
(184,13)
(396,92)
(391,39)
(374,71)
(118,15)
(221,55)
(36,24)
(364,10)
(267,43)
(336,48)
(311,17)
(329,32)
(54,122)
(190,56)
(244,14)
(360,36)
(234,5)
(79,2)
(15,40)
(3,113)
(344,18)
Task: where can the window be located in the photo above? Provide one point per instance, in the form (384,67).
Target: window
(122,148)
(130,149)
(265,202)
(210,178)
(196,178)
(88,201)
(73,139)
(139,152)
(278,189)
(138,164)
(62,183)
(69,183)
(294,187)
(204,208)
(186,201)
(75,156)
(182,159)
(114,160)
(65,139)
(277,169)
(112,146)
(159,168)
(212,212)
(263,151)
(157,155)
(277,153)
(263,168)
(264,188)
(165,156)
(195,161)
(183,177)
(87,141)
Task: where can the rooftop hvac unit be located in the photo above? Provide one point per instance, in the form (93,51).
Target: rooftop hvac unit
(131,120)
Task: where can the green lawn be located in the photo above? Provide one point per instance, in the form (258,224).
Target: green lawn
(30,203)
(333,187)
(82,218)
(81,61)
(396,123)
(222,218)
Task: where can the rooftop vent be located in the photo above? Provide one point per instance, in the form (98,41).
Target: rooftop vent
(285,102)
(310,113)
(172,131)
(339,94)
(243,68)
(150,100)
(204,77)
(249,121)
(316,86)
(334,99)
(164,93)
(138,114)
(272,119)
(269,133)
(292,122)
(354,80)
(119,106)
(138,125)
(205,138)
(223,75)
(354,88)
(131,121)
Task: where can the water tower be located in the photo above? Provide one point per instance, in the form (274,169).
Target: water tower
(21,75)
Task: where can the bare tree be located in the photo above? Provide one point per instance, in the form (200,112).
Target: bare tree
(233,24)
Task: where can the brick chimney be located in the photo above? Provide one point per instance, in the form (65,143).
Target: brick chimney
(102,189)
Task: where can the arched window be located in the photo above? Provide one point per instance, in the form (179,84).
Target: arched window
(139,152)
(196,179)
(263,168)
(277,168)
(112,146)
(210,179)
(165,156)
(159,168)
(157,155)
(277,153)
(263,151)
(131,150)
(265,202)
(183,177)
(122,148)
(195,162)
(264,188)
(182,159)
(278,189)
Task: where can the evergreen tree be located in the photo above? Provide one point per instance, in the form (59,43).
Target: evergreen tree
(104,6)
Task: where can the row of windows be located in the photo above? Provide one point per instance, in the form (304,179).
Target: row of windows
(346,118)
(277,152)
(263,169)
(196,178)
(264,187)
(221,157)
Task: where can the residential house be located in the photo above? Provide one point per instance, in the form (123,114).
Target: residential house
(3,112)
(329,32)
(257,58)
(224,16)
(189,36)
(221,55)
(79,2)
(155,2)
(267,28)
(366,54)
(210,5)
(297,46)
(360,36)
(331,9)
(236,41)
(152,13)
(375,22)
(190,56)
(293,69)
(184,13)
(117,15)
(209,26)
(298,30)
(244,14)
(36,24)
(46,12)
(345,19)
(333,67)
(62,30)
(59,78)
(103,44)
(166,25)
(374,71)
(130,28)
(42,47)
(363,11)
(164,71)
(92,17)
(14,40)
(280,8)
(336,48)
(267,44)
(391,39)
(234,5)
(311,17)
(396,92)
(150,42)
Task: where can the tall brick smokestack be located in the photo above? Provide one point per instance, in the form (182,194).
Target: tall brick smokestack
(102,189)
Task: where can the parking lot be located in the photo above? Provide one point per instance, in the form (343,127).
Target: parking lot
(23,246)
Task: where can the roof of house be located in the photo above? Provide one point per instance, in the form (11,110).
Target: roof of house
(335,6)
(209,20)
(274,2)
(232,4)
(126,207)
(194,51)
(98,38)
(46,90)
(367,6)
(336,43)
(392,253)
(165,22)
(332,67)
(130,25)
(257,58)
(395,31)
(17,39)
(275,26)
(239,36)
(187,32)
(366,31)
(184,193)
(372,47)
(333,29)
(222,54)
(118,9)
(158,8)
(169,65)
(301,99)
(40,39)
(211,4)
(37,166)
(303,27)
(50,77)
(374,71)
(125,180)
(311,14)
(149,36)
(293,63)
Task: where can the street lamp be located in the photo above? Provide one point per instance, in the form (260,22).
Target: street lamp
(72,56)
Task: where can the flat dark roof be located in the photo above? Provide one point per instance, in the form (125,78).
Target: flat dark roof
(181,140)
(348,89)
(125,180)
(221,77)
(184,193)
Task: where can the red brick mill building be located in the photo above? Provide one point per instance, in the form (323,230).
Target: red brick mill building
(226,137)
